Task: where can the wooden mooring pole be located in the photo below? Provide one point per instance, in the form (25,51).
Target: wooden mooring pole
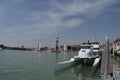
(107,59)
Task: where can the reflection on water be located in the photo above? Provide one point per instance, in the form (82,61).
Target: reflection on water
(56,57)
(64,56)
(38,56)
(80,71)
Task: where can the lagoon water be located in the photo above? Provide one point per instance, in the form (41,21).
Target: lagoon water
(29,65)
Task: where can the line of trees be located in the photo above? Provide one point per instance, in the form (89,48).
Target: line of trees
(13,48)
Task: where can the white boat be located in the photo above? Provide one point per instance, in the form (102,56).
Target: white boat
(86,51)
(85,56)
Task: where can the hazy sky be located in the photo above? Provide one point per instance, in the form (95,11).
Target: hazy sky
(23,22)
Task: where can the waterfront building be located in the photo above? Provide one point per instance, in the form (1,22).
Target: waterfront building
(70,47)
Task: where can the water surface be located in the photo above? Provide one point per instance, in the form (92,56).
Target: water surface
(31,65)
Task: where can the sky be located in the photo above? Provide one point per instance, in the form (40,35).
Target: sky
(24,22)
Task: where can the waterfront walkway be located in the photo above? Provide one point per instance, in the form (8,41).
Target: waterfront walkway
(112,62)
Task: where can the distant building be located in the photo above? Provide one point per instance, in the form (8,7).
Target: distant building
(114,46)
(70,47)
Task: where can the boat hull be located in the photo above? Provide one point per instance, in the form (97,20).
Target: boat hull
(96,64)
(64,64)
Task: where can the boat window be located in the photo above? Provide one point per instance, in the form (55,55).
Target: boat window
(95,43)
(96,48)
(85,47)
(86,43)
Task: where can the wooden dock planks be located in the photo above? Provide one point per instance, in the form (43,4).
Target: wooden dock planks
(111,63)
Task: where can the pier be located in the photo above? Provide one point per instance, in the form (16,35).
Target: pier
(112,63)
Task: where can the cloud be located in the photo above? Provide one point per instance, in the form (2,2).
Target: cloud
(88,7)
(33,24)
(54,16)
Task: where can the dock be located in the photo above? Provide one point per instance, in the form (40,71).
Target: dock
(112,63)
